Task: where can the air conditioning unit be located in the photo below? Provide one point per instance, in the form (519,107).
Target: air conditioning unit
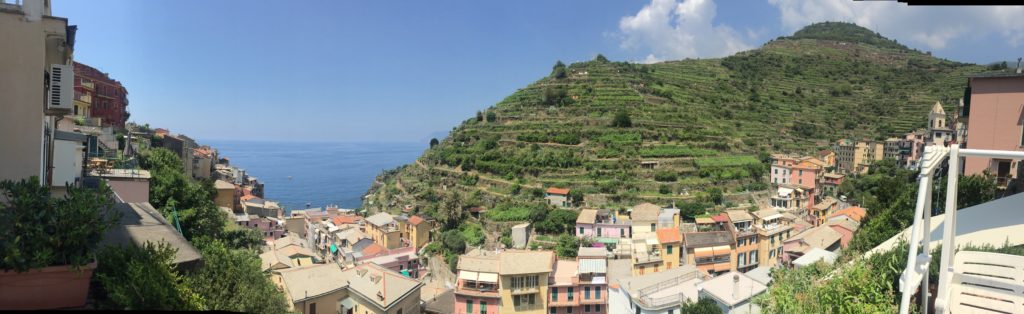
(60,97)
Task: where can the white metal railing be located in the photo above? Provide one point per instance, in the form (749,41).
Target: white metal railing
(915,275)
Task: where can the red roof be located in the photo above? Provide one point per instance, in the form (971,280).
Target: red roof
(415,220)
(372,249)
(854,212)
(720,218)
(477,209)
(824,152)
(247,197)
(669,235)
(346,219)
(559,191)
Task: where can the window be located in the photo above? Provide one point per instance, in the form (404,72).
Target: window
(483,308)
(553,311)
(554,294)
(771,253)
(652,227)
(532,299)
(599,231)
(671,311)
(581,230)
(568,310)
(669,249)
(597,295)
(586,294)
(469,307)
(597,307)
(568,292)
(622,233)
(586,308)
(741,258)
(516,300)
(312,308)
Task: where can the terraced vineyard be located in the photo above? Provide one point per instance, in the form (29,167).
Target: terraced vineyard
(684,127)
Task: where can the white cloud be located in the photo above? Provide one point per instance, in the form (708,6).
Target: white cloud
(935,27)
(668,29)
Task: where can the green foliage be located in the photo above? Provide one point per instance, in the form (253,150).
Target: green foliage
(715,195)
(702,306)
(557,221)
(245,238)
(509,212)
(558,71)
(231,280)
(170,191)
(848,32)
(556,96)
(856,288)
(622,120)
(569,138)
(675,151)
(665,176)
(491,116)
(568,245)
(454,241)
(600,58)
(472,233)
(40,231)
(433,142)
(142,278)
(971,190)
(665,189)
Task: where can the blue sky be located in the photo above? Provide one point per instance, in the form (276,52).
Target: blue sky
(408,71)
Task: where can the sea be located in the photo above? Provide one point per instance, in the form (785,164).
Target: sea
(317,174)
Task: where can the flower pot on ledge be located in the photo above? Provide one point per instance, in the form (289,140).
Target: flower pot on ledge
(53,287)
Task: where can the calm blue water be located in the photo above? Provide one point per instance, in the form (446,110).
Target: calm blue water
(321,173)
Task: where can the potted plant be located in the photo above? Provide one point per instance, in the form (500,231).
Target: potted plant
(47,244)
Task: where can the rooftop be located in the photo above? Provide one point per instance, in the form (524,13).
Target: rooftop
(380,219)
(722,288)
(592,252)
(820,237)
(120,173)
(141,223)
(515,262)
(564,272)
(309,282)
(645,212)
(814,255)
(479,261)
(669,235)
(710,238)
(739,215)
(558,191)
(223,185)
(587,216)
(854,212)
(667,288)
(381,285)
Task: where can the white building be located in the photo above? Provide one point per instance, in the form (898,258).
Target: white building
(732,292)
(661,293)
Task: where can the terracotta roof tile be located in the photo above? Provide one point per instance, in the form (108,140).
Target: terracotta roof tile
(855,212)
(669,235)
(559,191)
(372,249)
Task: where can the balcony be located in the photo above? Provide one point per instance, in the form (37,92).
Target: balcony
(524,290)
(968,281)
(478,289)
(563,301)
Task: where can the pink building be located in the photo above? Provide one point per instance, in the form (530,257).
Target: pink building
(602,225)
(580,286)
(994,111)
(477,285)
(403,261)
(270,227)
(802,173)
(845,227)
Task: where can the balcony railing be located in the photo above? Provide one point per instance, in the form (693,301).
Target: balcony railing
(915,275)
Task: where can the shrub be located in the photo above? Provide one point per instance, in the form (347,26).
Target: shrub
(665,176)
(142,278)
(622,120)
(39,231)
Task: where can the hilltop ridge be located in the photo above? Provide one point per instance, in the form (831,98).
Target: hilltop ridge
(694,125)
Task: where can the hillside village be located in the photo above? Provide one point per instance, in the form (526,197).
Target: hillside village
(607,211)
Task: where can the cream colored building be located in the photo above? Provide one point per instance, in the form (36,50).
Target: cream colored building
(523,280)
(367,288)
(32,42)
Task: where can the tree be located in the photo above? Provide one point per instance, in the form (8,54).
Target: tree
(433,142)
(702,306)
(622,120)
(454,241)
(250,239)
(491,116)
(142,278)
(600,58)
(231,280)
(479,116)
(558,71)
(568,245)
(715,195)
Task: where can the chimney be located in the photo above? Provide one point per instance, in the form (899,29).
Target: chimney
(735,286)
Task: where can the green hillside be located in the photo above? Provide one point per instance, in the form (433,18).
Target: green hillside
(708,123)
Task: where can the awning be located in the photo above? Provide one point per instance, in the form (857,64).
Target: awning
(776,216)
(722,249)
(608,240)
(334,248)
(703,252)
(785,192)
(405,272)
(587,265)
(488,277)
(348,303)
(468,275)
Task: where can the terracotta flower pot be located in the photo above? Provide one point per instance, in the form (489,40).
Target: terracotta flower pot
(51,287)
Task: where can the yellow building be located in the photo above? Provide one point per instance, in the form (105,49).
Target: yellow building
(524,280)
(367,288)
(384,230)
(772,230)
(670,244)
(822,210)
(711,251)
(415,230)
(646,255)
(746,240)
(227,195)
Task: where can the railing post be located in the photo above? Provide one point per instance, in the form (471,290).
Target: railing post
(949,231)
